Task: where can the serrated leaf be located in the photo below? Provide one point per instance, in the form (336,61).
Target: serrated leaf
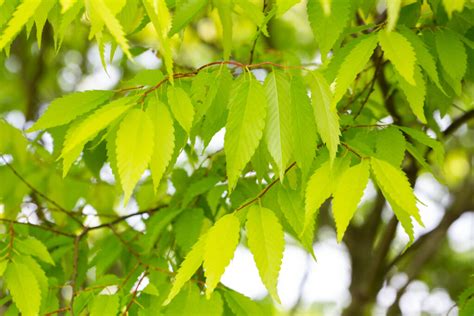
(25,10)
(241,305)
(161,24)
(134,147)
(266,242)
(33,247)
(325,113)
(347,194)
(23,287)
(292,205)
(112,24)
(353,64)
(452,54)
(181,107)
(318,190)
(222,240)
(285,5)
(278,128)
(327,28)
(185,12)
(302,123)
(423,56)
(65,109)
(390,146)
(190,302)
(94,123)
(224,8)
(163,139)
(187,268)
(40,17)
(105,305)
(39,274)
(421,137)
(399,51)
(393,11)
(244,127)
(421,160)
(415,94)
(394,184)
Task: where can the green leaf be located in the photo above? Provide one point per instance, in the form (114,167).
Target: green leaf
(399,51)
(453,5)
(222,240)
(318,190)
(25,10)
(353,64)
(224,8)
(278,128)
(292,205)
(94,123)
(105,305)
(266,242)
(328,27)
(161,24)
(23,287)
(245,124)
(135,142)
(285,5)
(241,305)
(421,137)
(452,54)
(423,56)
(390,146)
(395,186)
(325,113)
(347,194)
(40,17)
(185,12)
(302,123)
(113,25)
(33,247)
(415,94)
(187,268)
(66,5)
(163,131)
(65,109)
(393,10)
(181,107)
(190,302)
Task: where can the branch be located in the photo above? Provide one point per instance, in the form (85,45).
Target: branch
(55,231)
(72,215)
(264,191)
(458,122)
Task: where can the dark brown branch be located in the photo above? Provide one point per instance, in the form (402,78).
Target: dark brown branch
(50,229)
(71,215)
(458,122)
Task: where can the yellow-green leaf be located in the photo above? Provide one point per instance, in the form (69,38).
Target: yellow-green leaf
(399,51)
(181,107)
(394,185)
(21,16)
(135,142)
(245,124)
(33,247)
(325,113)
(222,240)
(278,131)
(187,268)
(453,5)
(163,139)
(23,287)
(415,94)
(105,305)
(93,124)
(112,23)
(66,4)
(224,8)
(347,194)
(393,11)
(161,24)
(266,242)
(353,64)
(65,109)
(318,190)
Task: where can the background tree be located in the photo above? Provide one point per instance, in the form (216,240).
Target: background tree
(222,123)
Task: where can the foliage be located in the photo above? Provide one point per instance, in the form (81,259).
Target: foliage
(296,135)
